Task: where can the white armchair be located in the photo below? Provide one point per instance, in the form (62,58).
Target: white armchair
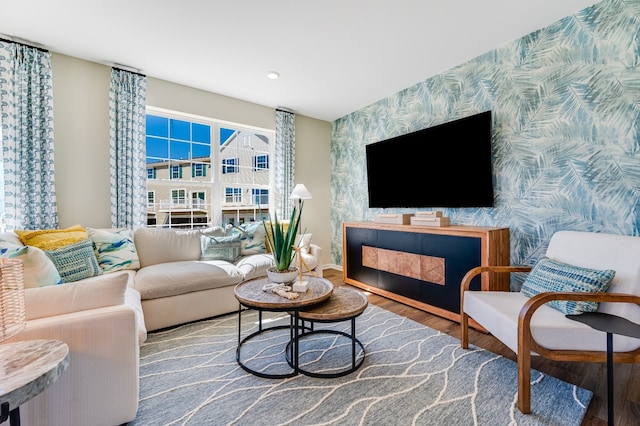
(529,326)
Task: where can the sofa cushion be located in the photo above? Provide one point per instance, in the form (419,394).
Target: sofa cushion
(173,278)
(220,248)
(97,292)
(255,265)
(39,270)
(51,239)
(114,248)
(552,275)
(75,261)
(159,245)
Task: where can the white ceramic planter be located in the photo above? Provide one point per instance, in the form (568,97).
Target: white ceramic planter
(282,277)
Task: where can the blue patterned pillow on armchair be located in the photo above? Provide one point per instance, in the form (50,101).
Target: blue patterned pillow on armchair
(552,275)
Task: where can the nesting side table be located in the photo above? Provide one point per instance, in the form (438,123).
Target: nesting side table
(345,304)
(27,368)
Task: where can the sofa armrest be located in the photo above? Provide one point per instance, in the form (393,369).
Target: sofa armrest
(316,251)
(101,381)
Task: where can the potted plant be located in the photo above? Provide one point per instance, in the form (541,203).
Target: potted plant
(281,238)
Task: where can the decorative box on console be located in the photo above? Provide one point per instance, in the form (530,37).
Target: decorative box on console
(430,221)
(433,213)
(394,218)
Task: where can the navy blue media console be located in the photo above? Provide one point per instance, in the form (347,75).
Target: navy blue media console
(422,266)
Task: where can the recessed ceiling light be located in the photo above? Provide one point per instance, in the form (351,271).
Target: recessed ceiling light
(273,75)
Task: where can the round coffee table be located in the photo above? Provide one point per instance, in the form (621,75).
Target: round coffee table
(344,304)
(250,295)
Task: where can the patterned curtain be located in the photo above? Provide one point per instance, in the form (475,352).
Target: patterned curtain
(127,106)
(26,99)
(285,161)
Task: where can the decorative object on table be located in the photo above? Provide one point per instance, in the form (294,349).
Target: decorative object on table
(12,313)
(281,239)
(281,290)
(300,285)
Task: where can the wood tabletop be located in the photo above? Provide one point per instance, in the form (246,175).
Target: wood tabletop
(344,303)
(250,294)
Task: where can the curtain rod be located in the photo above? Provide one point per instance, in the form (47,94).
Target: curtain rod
(119,68)
(7,40)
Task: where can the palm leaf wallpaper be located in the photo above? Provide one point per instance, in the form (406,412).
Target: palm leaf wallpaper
(566,131)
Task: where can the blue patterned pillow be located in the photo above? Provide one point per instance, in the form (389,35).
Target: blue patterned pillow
(115,249)
(551,275)
(75,261)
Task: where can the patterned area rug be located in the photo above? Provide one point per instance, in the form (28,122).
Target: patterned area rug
(411,375)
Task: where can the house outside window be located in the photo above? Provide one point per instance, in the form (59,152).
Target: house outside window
(233,195)
(151,199)
(178,197)
(198,199)
(229,165)
(260,197)
(199,170)
(191,160)
(260,162)
(176,172)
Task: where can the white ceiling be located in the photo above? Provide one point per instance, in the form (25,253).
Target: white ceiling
(334,56)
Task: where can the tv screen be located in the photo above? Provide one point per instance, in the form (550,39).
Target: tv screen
(448,165)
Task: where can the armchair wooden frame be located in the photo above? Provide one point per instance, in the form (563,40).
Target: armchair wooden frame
(526,342)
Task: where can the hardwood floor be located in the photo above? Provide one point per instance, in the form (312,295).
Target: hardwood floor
(592,376)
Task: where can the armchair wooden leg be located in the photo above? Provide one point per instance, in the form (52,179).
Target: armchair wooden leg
(524,370)
(464,331)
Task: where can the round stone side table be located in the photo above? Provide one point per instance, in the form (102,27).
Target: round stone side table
(26,369)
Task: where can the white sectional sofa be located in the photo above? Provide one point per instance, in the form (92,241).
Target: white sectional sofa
(104,318)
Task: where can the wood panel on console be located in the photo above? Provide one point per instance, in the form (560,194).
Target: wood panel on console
(422,266)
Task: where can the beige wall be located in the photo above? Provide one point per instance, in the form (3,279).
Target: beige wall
(81,135)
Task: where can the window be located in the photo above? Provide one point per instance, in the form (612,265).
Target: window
(198,200)
(260,162)
(178,197)
(176,172)
(232,195)
(229,165)
(151,199)
(198,170)
(205,172)
(260,196)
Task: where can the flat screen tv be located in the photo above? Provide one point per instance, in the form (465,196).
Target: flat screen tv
(448,165)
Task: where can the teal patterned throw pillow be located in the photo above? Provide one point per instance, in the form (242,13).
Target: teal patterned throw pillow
(551,275)
(75,261)
(115,249)
(252,238)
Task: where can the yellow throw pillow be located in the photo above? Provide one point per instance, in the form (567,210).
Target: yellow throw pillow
(51,239)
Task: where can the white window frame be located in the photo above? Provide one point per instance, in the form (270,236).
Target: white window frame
(214,177)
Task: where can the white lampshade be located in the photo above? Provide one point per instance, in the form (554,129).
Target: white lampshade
(300,192)
(12,313)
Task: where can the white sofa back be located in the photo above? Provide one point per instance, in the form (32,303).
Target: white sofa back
(161,245)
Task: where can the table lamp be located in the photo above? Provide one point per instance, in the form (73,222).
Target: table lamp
(12,311)
(300,193)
